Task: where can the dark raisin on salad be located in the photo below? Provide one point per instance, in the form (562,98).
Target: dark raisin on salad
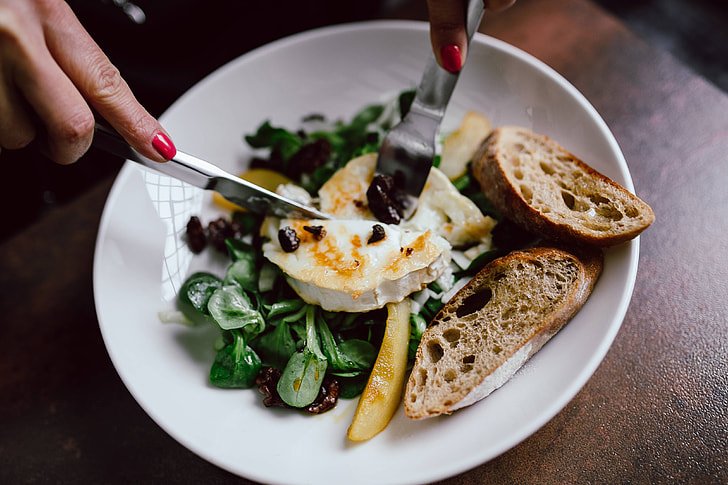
(381,199)
(327,396)
(219,230)
(378,234)
(196,238)
(310,157)
(267,382)
(288,239)
(318,231)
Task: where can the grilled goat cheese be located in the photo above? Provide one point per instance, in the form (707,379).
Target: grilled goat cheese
(441,208)
(336,267)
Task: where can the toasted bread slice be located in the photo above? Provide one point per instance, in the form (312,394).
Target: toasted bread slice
(494,324)
(542,187)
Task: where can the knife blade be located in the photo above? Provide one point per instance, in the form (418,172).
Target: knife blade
(205,175)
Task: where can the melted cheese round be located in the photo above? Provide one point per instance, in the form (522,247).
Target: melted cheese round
(441,208)
(343,272)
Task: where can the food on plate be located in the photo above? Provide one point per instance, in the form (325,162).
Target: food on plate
(383,392)
(356,265)
(268,179)
(442,208)
(540,185)
(313,310)
(491,327)
(458,147)
(305,300)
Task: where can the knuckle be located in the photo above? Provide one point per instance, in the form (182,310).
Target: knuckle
(142,126)
(77,129)
(108,82)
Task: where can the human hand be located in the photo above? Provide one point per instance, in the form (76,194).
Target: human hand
(52,73)
(447,30)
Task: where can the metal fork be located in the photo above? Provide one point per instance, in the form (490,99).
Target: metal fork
(408,149)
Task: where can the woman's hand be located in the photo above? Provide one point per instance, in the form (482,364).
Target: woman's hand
(52,73)
(447,30)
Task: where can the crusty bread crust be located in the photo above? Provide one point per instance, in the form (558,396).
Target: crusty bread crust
(516,302)
(547,190)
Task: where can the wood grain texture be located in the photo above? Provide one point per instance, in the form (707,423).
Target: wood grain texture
(655,410)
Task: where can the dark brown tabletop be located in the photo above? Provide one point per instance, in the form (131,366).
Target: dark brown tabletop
(654,411)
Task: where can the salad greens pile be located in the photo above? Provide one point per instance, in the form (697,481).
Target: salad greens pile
(262,321)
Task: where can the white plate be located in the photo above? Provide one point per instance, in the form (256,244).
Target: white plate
(139,261)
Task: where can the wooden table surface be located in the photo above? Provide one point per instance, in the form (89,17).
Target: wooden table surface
(654,411)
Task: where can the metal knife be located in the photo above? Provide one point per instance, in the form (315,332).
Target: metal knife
(205,175)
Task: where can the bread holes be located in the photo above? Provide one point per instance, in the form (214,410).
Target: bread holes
(469,359)
(568,199)
(518,173)
(547,169)
(434,351)
(631,212)
(450,375)
(422,377)
(474,302)
(598,199)
(609,212)
(526,193)
(451,335)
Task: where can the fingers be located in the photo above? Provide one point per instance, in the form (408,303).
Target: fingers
(447,33)
(101,84)
(16,128)
(31,73)
(447,30)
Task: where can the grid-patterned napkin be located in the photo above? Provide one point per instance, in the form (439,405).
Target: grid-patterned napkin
(175,202)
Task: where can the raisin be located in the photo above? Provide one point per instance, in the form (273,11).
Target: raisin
(196,239)
(267,381)
(310,157)
(379,196)
(288,239)
(377,234)
(318,231)
(219,230)
(327,397)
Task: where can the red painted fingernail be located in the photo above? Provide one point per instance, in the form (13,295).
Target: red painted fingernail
(164,145)
(452,61)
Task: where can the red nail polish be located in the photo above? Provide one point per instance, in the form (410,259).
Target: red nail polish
(452,61)
(164,145)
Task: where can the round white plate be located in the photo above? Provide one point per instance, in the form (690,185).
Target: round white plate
(139,261)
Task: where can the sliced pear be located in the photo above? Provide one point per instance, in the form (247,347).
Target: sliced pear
(268,179)
(381,397)
(459,146)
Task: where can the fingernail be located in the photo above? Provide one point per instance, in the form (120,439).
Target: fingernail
(164,145)
(452,61)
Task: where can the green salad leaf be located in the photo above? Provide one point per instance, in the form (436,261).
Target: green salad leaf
(236,365)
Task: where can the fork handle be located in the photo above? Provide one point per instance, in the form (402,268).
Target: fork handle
(437,84)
